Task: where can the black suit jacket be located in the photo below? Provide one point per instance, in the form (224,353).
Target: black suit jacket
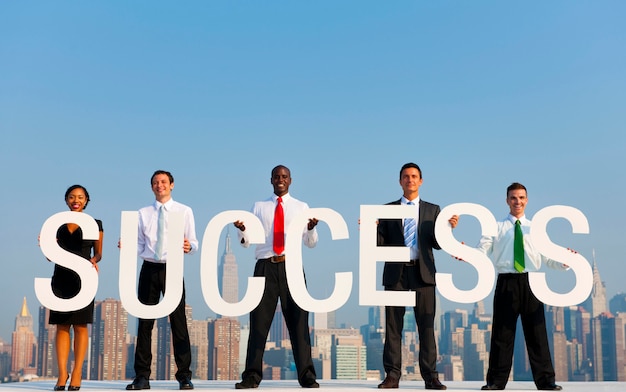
(391,233)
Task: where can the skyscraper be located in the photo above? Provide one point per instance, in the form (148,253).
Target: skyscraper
(228,274)
(597,303)
(224,338)
(108,341)
(199,339)
(46,338)
(349,358)
(475,355)
(322,342)
(609,347)
(24,344)
(450,321)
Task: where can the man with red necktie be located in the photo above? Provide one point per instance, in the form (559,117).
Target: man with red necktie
(275,213)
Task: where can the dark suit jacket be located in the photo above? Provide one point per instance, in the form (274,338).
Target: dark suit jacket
(391,233)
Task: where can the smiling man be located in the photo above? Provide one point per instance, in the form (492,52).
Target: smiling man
(152,247)
(514,255)
(276,213)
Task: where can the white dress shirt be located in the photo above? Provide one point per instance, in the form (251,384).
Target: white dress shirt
(404,201)
(264,210)
(148,226)
(500,248)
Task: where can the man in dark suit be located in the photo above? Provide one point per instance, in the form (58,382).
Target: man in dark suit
(418,275)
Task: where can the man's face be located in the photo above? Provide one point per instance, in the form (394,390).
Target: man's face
(410,181)
(162,187)
(281,179)
(516,199)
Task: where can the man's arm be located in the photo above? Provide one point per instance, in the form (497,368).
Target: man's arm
(309,236)
(241,234)
(190,244)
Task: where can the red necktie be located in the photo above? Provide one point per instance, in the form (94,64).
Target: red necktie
(279,228)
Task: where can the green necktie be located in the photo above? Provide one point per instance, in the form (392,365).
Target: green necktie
(518,247)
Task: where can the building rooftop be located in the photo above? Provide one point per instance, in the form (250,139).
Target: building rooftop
(326,385)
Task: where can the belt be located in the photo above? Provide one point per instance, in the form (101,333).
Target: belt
(275,259)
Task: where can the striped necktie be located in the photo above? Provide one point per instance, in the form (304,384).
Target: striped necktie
(410,233)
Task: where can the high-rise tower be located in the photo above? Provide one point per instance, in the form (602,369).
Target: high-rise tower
(228,279)
(24,344)
(108,341)
(598,292)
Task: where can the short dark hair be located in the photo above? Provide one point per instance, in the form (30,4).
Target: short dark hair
(409,165)
(168,174)
(70,189)
(281,167)
(515,186)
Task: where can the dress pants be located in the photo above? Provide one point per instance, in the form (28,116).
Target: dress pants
(151,285)
(513,298)
(425,319)
(261,317)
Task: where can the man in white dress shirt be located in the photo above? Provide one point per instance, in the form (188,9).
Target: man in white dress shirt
(513,297)
(152,248)
(271,265)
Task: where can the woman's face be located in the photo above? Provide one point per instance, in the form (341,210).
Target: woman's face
(76,200)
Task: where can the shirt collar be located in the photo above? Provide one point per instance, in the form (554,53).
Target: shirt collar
(167,204)
(415,201)
(522,218)
(285,197)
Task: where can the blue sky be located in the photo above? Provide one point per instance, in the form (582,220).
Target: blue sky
(479,94)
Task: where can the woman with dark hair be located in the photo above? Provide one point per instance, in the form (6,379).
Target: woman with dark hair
(66,284)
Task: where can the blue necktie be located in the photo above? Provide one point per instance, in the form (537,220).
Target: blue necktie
(410,233)
(158,251)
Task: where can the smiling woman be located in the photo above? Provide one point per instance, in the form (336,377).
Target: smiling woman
(67,284)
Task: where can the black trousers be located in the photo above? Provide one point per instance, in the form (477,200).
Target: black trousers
(151,285)
(424,310)
(296,318)
(513,298)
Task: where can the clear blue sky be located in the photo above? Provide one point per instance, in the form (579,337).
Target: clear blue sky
(479,94)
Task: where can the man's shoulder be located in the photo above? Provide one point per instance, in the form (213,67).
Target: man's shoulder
(180,206)
(146,208)
(299,202)
(428,204)
(391,203)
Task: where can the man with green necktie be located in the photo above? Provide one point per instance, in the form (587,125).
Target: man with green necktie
(514,256)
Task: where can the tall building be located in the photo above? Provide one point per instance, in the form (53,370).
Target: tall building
(108,341)
(373,334)
(450,321)
(555,326)
(322,346)
(611,347)
(224,338)
(349,358)
(24,343)
(475,354)
(228,274)
(163,363)
(597,303)
(199,339)
(46,338)
(5,360)
(617,304)
(597,349)
(278,329)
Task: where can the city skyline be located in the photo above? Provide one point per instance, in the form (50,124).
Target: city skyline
(587,344)
(478,94)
